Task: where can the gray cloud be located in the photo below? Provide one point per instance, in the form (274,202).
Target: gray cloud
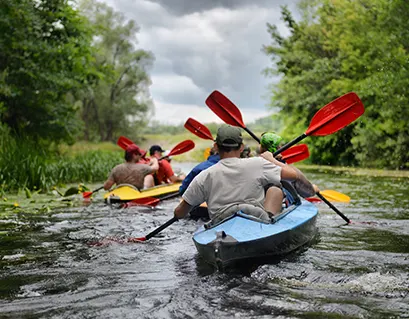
(202,45)
(180,7)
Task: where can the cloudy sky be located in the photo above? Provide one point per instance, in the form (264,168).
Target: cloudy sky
(205,45)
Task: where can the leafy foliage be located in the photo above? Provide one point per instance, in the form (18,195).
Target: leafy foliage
(117,103)
(45,52)
(337,47)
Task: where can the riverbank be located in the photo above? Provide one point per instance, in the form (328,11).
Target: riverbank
(354,171)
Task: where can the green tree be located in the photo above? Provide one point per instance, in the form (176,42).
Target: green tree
(337,47)
(44,54)
(118,103)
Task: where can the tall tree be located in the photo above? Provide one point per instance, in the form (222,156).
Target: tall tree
(340,46)
(112,105)
(44,55)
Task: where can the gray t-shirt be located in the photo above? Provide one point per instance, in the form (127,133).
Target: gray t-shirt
(130,173)
(232,181)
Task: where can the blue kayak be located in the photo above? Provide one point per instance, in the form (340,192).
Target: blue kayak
(241,236)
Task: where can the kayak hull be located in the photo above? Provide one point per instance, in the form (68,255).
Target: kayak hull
(125,193)
(242,237)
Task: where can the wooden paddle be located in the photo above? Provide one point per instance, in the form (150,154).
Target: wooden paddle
(294,154)
(329,119)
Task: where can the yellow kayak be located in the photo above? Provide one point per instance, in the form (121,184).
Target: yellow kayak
(126,192)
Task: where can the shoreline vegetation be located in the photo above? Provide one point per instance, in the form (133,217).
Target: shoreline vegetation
(88,163)
(37,183)
(94,86)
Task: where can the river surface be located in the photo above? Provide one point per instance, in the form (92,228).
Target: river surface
(50,269)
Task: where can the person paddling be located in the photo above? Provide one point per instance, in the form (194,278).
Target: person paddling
(131,172)
(165,172)
(270,142)
(236,183)
(212,159)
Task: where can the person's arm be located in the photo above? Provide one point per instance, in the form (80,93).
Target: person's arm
(108,184)
(174,178)
(187,180)
(154,164)
(169,174)
(111,179)
(287,172)
(303,186)
(182,209)
(193,196)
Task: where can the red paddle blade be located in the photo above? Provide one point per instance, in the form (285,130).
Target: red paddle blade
(336,115)
(136,239)
(198,129)
(147,201)
(86,194)
(182,147)
(225,109)
(296,153)
(313,199)
(124,142)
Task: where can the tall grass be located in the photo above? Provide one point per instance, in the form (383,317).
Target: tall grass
(24,164)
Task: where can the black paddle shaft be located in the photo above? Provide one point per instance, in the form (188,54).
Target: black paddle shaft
(252,135)
(333,207)
(289,144)
(159,229)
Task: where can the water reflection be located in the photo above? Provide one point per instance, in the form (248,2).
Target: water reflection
(50,270)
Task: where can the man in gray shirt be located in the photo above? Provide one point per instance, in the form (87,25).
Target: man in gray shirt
(236,183)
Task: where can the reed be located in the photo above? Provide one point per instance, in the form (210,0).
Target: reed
(23,164)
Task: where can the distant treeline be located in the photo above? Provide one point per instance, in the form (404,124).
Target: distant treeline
(340,46)
(70,73)
(264,124)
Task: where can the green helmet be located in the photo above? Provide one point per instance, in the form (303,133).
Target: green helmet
(270,141)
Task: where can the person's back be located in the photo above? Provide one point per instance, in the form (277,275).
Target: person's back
(131,172)
(249,185)
(165,172)
(234,181)
(210,161)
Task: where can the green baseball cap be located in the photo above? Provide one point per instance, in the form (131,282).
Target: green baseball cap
(270,141)
(229,136)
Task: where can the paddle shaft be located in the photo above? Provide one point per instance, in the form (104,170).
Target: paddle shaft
(333,208)
(289,144)
(159,229)
(252,134)
(94,191)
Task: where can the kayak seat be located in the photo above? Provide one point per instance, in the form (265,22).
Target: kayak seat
(290,193)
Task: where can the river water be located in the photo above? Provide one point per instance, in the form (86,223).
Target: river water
(50,269)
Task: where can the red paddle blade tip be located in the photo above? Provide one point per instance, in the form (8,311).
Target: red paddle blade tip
(124,142)
(86,194)
(198,129)
(225,109)
(182,147)
(296,153)
(336,115)
(136,239)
